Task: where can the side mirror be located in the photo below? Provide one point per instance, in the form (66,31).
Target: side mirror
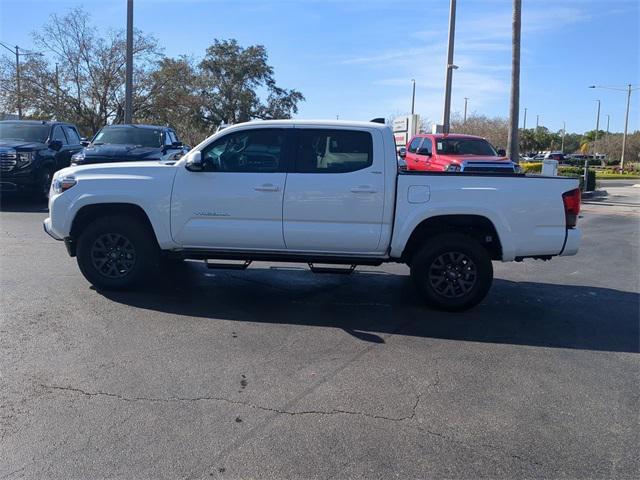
(424,151)
(176,144)
(502,152)
(402,153)
(55,145)
(85,143)
(194,162)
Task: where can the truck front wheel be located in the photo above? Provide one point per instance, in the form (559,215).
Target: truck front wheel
(452,272)
(116,252)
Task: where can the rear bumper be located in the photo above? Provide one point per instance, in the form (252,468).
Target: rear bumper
(572,243)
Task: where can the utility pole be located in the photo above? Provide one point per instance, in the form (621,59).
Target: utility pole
(537,122)
(128,95)
(413,96)
(57,92)
(466,99)
(626,124)
(18,54)
(524,127)
(628,89)
(564,132)
(608,118)
(513,144)
(446,115)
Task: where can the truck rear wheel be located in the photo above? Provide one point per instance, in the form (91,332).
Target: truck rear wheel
(452,272)
(116,252)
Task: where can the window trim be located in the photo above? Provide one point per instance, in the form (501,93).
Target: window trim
(296,143)
(285,154)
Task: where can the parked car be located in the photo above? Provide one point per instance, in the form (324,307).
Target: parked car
(455,153)
(31,151)
(558,156)
(130,143)
(314,192)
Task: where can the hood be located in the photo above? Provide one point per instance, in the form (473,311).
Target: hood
(21,145)
(472,158)
(117,153)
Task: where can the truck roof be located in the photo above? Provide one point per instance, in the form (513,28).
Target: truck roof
(330,123)
(37,122)
(448,135)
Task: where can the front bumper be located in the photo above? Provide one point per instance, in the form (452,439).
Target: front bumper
(572,243)
(47,228)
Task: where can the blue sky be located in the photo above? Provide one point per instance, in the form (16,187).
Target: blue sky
(356,58)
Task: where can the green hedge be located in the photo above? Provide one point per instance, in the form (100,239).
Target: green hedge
(536,167)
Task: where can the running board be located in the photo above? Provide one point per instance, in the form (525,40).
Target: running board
(227,266)
(343,271)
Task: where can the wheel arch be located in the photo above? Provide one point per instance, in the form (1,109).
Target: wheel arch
(478,227)
(89,213)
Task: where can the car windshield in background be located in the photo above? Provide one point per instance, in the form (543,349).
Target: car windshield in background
(143,137)
(24,132)
(464,146)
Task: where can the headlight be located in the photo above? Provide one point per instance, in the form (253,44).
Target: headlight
(78,157)
(452,167)
(24,159)
(60,184)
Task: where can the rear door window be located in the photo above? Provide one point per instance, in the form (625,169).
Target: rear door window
(72,135)
(332,151)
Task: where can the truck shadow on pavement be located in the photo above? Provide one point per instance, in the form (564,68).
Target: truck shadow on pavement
(371,305)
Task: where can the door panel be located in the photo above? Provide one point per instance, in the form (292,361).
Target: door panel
(228,210)
(237,203)
(330,211)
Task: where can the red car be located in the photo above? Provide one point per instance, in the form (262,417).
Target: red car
(455,153)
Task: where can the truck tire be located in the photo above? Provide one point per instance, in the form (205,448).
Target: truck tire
(452,272)
(117,252)
(44,184)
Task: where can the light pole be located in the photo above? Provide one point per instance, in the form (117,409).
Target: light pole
(466,99)
(564,131)
(595,142)
(608,118)
(446,115)
(413,96)
(629,89)
(16,52)
(128,84)
(513,143)
(524,127)
(537,122)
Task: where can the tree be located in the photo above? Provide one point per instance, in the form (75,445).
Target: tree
(230,76)
(493,129)
(89,87)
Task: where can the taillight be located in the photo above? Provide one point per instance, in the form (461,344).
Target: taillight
(571,200)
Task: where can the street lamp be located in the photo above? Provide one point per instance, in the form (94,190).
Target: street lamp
(595,142)
(17,53)
(629,89)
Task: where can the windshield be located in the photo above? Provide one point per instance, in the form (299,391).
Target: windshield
(465,146)
(142,137)
(24,131)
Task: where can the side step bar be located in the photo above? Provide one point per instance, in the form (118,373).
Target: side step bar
(344,271)
(227,266)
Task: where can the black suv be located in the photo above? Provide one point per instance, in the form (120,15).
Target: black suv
(130,143)
(31,151)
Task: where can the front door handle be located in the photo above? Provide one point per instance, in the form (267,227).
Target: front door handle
(267,187)
(363,189)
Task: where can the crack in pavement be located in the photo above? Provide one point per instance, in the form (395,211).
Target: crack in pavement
(238,402)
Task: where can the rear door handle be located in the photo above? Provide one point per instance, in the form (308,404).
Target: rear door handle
(267,187)
(363,189)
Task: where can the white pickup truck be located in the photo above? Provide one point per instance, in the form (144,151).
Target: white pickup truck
(316,192)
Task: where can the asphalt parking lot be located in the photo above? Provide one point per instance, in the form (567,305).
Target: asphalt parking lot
(280,373)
